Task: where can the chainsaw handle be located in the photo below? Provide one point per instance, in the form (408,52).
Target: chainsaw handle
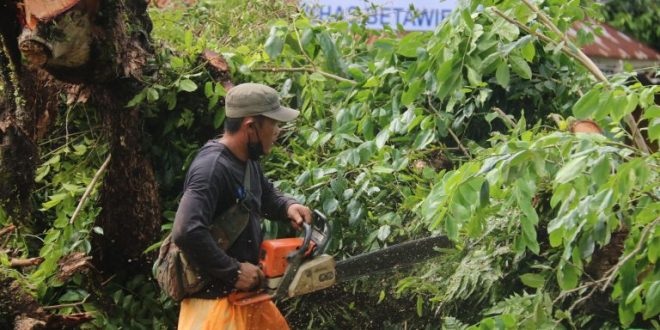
(305,245)
(324,229)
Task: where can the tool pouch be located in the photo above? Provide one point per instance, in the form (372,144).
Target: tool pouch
(175,275)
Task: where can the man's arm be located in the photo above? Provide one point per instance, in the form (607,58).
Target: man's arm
(277,206)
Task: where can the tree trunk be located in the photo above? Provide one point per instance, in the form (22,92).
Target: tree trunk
(130,215)
(119,45)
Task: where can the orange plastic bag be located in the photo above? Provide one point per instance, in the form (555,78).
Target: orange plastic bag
(211,314)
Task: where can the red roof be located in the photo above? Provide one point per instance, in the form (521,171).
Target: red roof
(614,44)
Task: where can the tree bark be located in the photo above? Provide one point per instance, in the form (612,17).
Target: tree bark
(130,215)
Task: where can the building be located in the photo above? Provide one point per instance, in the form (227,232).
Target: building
(613,48)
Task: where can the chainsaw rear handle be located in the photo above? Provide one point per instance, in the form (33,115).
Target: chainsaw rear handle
(318,232)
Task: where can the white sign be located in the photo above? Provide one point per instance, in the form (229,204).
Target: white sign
(427,14)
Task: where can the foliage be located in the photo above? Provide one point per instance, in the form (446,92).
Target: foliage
(637,18)
(400,137)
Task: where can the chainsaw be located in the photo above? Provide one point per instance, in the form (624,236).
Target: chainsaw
(297,266)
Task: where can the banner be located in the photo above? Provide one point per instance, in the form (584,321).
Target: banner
(422,15)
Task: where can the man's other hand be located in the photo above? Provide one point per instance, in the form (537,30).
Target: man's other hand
(299,213)
(249,277)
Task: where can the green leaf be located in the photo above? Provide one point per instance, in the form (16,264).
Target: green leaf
(409,44)
(218,118)
(423,138)
(654,129)
(626,315)
(330,205)
(275,43)
(586,105)
(315,76)
(556,237)
(413,91)
(356,71)
(604,107)
(372,82)
(170,98)
(208,89)
(571,169)
(382,138)
(187,85)
(219,90)
(420,306)
(137,99)
(213,101)
(528,51)
(473,76)
(654,250)
(652,301)
(384,232)
(381,296)
(152,95)
(520,67)
(41,173)
(98,230)
(567,276)
(382,170)
(507,30)
(533,280)
(332,56)
(444,70)
(484,194)
(502,74)
(651,112)
(54,200)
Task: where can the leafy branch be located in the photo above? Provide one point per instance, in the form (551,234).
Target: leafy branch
(576,54)
(611,274)
(305,69)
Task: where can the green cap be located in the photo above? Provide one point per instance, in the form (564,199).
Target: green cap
(251,99)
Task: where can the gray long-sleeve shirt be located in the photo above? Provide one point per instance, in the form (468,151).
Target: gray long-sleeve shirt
(212,186)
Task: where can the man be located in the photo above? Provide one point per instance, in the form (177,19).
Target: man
(214,183)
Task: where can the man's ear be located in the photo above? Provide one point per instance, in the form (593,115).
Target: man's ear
(248,122)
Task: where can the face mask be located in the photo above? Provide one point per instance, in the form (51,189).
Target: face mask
(255,149)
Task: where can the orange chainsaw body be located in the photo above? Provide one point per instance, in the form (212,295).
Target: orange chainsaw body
(273,254)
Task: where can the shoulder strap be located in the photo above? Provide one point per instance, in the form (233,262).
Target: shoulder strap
(231,223)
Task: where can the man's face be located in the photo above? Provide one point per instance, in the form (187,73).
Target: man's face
(268,130)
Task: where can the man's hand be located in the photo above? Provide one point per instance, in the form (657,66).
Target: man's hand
(299,213)
(249,277)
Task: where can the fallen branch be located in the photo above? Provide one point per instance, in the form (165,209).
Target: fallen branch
(84,197)
(7,230)
(611,274)
(308,70)
(20,263)
(458,141)
(66,305)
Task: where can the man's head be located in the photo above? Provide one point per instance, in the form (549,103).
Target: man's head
(253,113)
